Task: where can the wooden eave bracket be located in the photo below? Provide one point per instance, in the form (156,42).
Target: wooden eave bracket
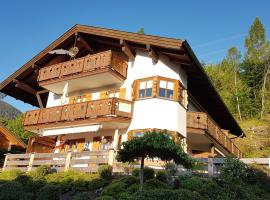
(152,53)
(25,87)
(85,44)
(126,49)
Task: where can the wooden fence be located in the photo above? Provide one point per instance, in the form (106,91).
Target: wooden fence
(84,161)
(212,165)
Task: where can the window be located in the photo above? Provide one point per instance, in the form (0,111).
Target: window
(138,134)
(114,93)
(166,89)
(145,89)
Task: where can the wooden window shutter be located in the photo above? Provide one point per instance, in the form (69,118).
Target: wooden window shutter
(71,99)
(186,98)
(88,97)
(103,94)
(176,92)
(122,94)
(155,86)
(135,90)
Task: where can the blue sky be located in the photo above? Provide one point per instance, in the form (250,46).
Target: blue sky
(210,26)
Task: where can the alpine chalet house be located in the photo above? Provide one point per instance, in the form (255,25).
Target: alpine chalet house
(96,88)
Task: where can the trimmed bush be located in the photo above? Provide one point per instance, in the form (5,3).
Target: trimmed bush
(49,192)
(162,176)
(105,198)
(83,196)
(148,173)
(105,172)
(11,190)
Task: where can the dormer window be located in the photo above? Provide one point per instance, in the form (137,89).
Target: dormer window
(145,89)
(166,89)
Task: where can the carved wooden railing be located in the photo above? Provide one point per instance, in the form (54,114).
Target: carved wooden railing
(92,109)
(107,60)
(200,120)
(87,161)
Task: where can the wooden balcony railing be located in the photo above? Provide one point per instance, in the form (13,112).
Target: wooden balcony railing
(108,108)
(200,120)
(85,66)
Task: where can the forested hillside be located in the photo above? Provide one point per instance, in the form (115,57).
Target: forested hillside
(242,79)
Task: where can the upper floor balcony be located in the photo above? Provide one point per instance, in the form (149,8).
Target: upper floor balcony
(92,71)
(96,111)
(201,123)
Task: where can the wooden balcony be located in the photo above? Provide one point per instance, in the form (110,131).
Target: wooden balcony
(201,122)
(79,113)
(105,68)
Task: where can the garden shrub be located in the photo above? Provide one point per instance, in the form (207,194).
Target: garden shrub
(10,175)
(129,180)
(105,172)
(120,186)
(83,196)
(11,190)
(162,176)
(97,183)
(160,194)
(115,189)
(171,168)
(184,194)
(154,184)
(233,170)
(148,173)
(105,198)
(40,172)
(257,175)
(71,180)
(49,192)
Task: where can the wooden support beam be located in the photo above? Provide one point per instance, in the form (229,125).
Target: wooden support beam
(39,100)
(126,49)
(152,53)
(25,87)
(85,44)
(40,103)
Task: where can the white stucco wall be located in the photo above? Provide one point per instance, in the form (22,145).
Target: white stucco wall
(156,113)
(160,114)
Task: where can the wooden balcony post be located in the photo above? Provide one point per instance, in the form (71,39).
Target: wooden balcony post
(67,164)
(31,160)
(5,162)
(111,157)
(116,139)
(210,166)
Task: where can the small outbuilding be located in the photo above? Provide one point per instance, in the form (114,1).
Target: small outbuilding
(9,141)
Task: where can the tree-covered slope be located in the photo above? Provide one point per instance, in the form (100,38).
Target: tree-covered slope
(244,84)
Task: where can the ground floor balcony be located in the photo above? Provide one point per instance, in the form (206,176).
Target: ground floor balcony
(97,70)
(78,114)
(203,134)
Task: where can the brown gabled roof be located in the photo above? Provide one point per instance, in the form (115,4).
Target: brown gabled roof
(14,140)
(177,50)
